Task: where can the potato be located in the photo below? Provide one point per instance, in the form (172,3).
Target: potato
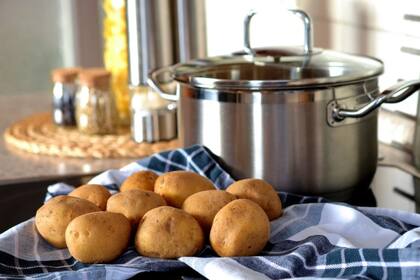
(167,232)
(176,186)
(133,204)
(141,180)
(203,206)
(260,192)
(98,237)
(52,218)
(241,228)
(96,194)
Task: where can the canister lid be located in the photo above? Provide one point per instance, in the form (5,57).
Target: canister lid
(278,69)
(65,75)
(95,78)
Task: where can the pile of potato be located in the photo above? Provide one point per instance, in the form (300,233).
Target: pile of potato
(169,216)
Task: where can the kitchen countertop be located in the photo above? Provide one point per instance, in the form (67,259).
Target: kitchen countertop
(17,166)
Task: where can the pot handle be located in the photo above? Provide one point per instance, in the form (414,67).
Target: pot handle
(155,83)
(307,24)
(394,94)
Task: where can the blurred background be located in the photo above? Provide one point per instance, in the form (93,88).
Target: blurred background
(66,33)
(38,36)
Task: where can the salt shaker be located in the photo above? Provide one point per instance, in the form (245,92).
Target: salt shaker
(64,92)
(152,118)
(95,106)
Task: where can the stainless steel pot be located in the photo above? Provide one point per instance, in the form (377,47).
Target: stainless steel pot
(302,119)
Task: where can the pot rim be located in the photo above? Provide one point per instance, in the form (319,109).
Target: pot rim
(323,68)
(258,85)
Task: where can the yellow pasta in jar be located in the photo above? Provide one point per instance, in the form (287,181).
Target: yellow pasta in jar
(115,55)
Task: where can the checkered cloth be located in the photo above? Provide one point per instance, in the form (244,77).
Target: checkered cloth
(313,238)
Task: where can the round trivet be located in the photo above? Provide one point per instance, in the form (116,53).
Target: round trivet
(39,135)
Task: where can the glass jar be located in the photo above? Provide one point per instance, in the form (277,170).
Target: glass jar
(115,54)
(95,105)
(64,92)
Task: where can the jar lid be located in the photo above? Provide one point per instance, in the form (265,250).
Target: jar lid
(95,78)
(65,75)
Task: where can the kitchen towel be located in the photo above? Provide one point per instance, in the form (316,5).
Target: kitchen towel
(313,238)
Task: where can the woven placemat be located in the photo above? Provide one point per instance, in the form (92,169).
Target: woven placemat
(39,135)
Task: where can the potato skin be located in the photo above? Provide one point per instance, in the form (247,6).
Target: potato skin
(176,186)
(133,204)
(97,194)
(168,232)
(241,228)
(260,192)
(141,180)
(98,237)
(203,206)
(52,218)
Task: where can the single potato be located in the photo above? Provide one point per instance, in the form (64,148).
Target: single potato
(98,237)
(97,194)
(241,228)
(176,186)
(260,192)
(167,232)
(203,206)
(52,218)
(141,180)
(133,204)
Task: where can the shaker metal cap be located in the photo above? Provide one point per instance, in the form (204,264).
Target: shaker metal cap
(278,68)
(154,124)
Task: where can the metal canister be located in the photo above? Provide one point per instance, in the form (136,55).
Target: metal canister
(64,92)
(152,118)
(95,106)
(162,33)
(159,33)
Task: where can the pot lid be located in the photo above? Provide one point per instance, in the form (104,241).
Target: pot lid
(278,68)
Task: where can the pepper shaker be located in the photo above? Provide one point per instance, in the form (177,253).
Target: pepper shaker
(64,92)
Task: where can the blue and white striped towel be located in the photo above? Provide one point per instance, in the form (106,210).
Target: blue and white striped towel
(312,239)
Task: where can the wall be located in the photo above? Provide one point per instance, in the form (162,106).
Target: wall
(30,39)
(37,36)
(376,28)
(270,27)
